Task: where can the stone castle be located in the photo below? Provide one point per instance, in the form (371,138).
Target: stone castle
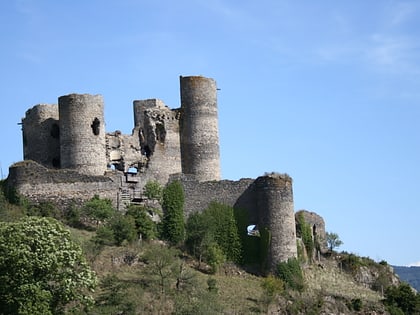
(69,158)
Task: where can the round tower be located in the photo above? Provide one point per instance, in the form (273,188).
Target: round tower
(276,216)
(199,132)
(82,133)
(41,135)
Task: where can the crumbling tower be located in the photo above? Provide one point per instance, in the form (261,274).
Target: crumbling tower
(82,133)
(199,132)
(41,135)
(274,196)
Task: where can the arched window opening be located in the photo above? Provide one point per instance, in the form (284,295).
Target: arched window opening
(96,124)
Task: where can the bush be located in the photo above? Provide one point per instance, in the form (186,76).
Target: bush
(123,228)
(145,226)
(153,190)
(291,273)
(98,209)
(212,231)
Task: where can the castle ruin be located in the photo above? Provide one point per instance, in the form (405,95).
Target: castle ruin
(69,158)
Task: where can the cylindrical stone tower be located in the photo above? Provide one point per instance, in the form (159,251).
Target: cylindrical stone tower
(41,135)
(82,133)
(199,131)
(275,206)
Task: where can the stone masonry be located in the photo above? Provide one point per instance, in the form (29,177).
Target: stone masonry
(69,158)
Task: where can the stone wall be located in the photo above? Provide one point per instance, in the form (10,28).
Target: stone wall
(198,195)
(61,187)
(41,135)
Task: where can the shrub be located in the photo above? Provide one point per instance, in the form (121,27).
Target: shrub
(153,190)
(291,273)
(98,209)
(145,226)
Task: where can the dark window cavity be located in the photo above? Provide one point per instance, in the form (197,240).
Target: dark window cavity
(96,124)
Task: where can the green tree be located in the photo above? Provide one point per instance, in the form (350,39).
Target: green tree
(163,263)
(145,226)
(333,240)
(123,228)
(213,234)
(42,271)
(153,190)
(173,218)
(98,209)
(402,297)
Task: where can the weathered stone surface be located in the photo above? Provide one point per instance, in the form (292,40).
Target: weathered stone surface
(74,159)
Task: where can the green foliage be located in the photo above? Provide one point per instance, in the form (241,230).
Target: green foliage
(42,270)
(272,286)
(123,228)
(291,273)
(161,265)
(113,298)
(402,297)
(118,230)
(98,209)
(212,285)
(250,244)
(199,236)
(305,232)
(43,209)
(153,190)
(351,262)
(146,228)
(213,235)
(173,225)
(356,304)
(333,240)
(215,256)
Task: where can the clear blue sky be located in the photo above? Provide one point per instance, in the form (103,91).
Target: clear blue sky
(326,91)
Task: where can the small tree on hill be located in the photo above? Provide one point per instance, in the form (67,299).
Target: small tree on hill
(173,217)
(333,240)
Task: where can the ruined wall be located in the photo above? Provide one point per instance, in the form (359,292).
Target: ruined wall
(268,201)
(199,131)
(317,224)
(82,133)
(198,195)
(62,187)
(274,195)
(41,135)
(157,127)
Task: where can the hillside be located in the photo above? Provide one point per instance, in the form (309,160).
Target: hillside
(138,276)
(411,275)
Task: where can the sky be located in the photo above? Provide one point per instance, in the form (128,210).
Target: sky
(325,91)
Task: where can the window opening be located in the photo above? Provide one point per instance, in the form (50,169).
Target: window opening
(96,126)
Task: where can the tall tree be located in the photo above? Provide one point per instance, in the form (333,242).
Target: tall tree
(42,270)
(173,216)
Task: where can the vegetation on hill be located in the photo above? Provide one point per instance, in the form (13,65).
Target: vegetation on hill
(174,267)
